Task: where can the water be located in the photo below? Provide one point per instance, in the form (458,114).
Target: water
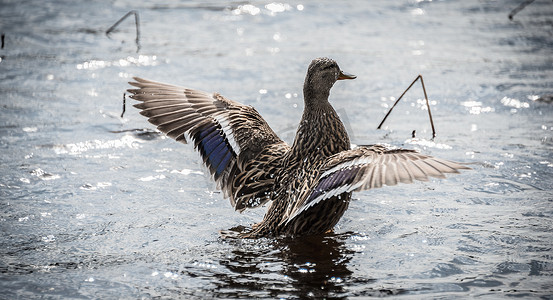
(98,206)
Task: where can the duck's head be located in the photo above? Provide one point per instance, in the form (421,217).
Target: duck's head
(321,75)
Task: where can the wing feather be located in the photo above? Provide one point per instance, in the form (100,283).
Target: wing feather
(368,167)
(239,148)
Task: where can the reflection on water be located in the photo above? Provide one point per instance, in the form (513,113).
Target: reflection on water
(310,267)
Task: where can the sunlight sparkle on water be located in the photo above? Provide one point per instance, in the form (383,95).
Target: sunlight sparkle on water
(92,187)
(547,163)
(533,97)
(475,107)
(187,172)
(269,9)
(417,12)
(277,7)
(515,103)
(150,178)
(170,275)
(247,9)
(80,216)
(44,175)
(49,238)
(336,279)
(421,104)
(141,60)
(78,148)
(30,129)
(427,143)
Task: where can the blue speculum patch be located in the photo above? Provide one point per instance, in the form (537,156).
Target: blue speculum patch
(333,181)
(214,147)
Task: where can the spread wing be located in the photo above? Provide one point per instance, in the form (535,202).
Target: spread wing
(232,138)
(368,167)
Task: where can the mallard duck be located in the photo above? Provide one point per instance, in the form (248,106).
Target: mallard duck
(308,184)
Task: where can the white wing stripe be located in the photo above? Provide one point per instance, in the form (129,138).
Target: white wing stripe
(324,196)
(227,130)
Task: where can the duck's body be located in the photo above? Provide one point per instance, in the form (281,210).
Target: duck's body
(300,171)
(310,183)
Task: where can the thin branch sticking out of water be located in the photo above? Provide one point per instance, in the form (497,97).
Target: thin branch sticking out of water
(136,22)
(519,8)
(124,103)
(427,105)
(3,37)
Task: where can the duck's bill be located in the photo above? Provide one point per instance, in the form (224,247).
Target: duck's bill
(343,75)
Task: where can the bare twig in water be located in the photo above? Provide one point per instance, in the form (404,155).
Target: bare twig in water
(427,105)
(124,103)
(3,36)
(519,8)
(136,22)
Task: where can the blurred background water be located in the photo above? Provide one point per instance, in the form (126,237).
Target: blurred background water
(94,205)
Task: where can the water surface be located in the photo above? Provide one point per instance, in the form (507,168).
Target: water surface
(95,205)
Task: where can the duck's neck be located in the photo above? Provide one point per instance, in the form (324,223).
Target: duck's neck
(320,133)
(314,95)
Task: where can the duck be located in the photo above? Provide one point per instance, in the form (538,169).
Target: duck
(307,186)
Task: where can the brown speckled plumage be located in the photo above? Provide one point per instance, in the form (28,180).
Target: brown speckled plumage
(309,184)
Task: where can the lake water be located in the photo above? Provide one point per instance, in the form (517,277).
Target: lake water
(94,205)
